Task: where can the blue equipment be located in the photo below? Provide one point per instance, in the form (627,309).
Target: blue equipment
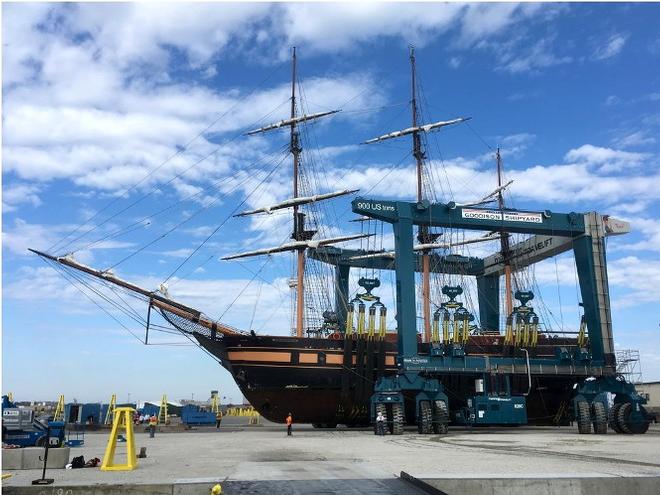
(593,368)
(194,415)
(20,427)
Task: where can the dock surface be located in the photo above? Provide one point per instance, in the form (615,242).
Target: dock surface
(256,459)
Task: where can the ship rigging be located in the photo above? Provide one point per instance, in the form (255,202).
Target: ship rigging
(334,367)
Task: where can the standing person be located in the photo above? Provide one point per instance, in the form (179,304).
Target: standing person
(153,421)
(289,422)
(218,419)
(380,423)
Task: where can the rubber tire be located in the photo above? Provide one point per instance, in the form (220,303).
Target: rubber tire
(613,418)
(631,428)
(622,417)
(583,417)
(425,419)
(397,419)
(440,417)
(41,441)
(599,418)
(380,408)
(641,428)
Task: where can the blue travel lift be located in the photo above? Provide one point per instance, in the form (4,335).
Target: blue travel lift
(593,366)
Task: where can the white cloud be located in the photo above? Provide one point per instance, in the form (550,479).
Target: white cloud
(17,194)
(634,139)
(587,177)
(23,235)
(44,285)
(125,135)
(606,159)
(514,57)
(611,47)
(639,277)
(649,228)
(139,34)
(612,100)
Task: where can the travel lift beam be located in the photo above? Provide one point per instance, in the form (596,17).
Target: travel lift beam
(345,259)
(586,232)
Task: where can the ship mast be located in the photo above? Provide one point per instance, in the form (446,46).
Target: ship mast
(423,234)
(302,238)
(298,218)
(426,239)
(504,239)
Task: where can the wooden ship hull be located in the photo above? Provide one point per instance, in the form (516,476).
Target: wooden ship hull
(320,381)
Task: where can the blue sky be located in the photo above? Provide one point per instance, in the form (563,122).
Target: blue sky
(98,97)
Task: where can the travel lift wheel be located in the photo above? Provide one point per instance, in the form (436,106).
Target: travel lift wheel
(628,426)
(397,419)
(613,418)
(583,417)
(440,417)
(425,419)
(380,408)
(599,418)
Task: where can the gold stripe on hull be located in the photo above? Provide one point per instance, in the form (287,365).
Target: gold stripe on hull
(255,357)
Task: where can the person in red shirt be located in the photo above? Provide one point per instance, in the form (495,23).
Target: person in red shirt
(289,422)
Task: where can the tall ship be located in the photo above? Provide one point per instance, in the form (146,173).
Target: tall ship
(480,332)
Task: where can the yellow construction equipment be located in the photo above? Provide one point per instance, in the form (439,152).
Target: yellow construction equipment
(382,328)
(508,334)
(123,419)
(59,410)
(349,321)
(582,332)
(162,411)
(111,409)
(361,319)
(215,403)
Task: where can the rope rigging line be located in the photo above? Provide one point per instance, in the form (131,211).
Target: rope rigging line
(150,193)
(143,221)
(190,217)
(72,279)
(238,296)
(174,155)
(225,219)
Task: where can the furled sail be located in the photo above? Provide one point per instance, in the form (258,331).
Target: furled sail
(486,199)
(293,121)
(288,203)
(425,247)
(293,246)
(419,128)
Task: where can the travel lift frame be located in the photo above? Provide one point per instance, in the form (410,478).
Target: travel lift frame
(552,233)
